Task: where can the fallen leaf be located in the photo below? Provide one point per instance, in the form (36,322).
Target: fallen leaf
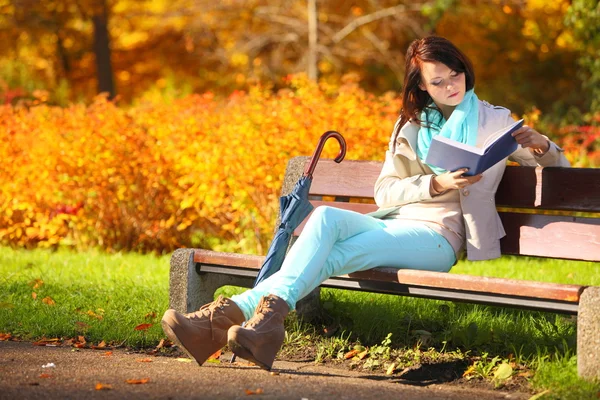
(81,339)
(161,344)
(48,300)
(94,315)
(142,327)
(5,336)
(363,354)
(251,392)
(215,355)
(68,342)
(79,345)
(350,354)
(137,381)
(101,345)
(144,360)
(107,354)
(103,386)
(469,370)
(45,375)
(183,359)
(34,295)
(36,283)
(47,342)
(390,369)
(273,373)
(150,315)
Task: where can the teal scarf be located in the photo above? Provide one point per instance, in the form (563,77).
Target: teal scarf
(462,126)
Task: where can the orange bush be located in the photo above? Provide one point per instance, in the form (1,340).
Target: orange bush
(198,171)
(154,177)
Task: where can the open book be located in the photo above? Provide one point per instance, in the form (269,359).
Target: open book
(452,155)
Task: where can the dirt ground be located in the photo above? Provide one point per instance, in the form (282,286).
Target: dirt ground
(44,372)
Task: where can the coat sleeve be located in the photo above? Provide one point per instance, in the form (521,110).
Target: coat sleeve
(396,186)
(554,157)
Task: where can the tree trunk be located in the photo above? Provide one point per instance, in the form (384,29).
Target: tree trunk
(104,71)
(312,40)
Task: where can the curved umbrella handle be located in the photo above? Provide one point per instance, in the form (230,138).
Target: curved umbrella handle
(310,168)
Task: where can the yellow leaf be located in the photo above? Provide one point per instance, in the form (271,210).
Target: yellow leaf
(390,369)
(48,300)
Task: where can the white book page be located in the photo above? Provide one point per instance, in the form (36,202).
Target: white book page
(490,140)
(459,145)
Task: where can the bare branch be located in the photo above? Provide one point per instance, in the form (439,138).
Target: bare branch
(366,19)
(387,57)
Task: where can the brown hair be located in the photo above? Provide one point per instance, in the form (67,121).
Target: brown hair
(429,49)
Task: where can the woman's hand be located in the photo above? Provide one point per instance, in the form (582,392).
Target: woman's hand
(529,137)
(453,180)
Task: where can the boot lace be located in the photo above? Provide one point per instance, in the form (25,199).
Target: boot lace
(263,308)
(209,310)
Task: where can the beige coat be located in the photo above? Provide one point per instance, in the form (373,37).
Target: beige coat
(404,179)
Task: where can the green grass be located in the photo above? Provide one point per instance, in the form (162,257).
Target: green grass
(104,297)
(100,296)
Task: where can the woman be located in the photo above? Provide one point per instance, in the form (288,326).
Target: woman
(427,216)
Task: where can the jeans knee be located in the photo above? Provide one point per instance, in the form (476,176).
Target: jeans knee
(325,214)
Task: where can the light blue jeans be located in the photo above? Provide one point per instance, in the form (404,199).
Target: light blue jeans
(337,242)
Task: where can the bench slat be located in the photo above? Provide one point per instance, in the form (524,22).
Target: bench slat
(565,189)
(513,287)
(555,236)
(348,179)
(438,285)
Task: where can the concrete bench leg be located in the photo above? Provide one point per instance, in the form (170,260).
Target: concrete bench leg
(189,290)
(588,334)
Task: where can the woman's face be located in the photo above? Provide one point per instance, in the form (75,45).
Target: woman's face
(445,86)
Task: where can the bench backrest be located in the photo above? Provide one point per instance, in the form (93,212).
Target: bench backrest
(546,212)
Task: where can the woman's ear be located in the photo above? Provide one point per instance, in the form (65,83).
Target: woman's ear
(422,87)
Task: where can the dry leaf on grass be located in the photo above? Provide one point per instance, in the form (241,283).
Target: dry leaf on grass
(48,300)
(350,354)
(150,315)
(34,295)
(36,283)
(138,381)
(103,386)
(5,336)
(142,327)
(363,354)
(251,392)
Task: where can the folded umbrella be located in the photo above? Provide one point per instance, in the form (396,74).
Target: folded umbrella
(293,208)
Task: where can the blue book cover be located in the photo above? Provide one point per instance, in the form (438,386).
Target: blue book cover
(452,155)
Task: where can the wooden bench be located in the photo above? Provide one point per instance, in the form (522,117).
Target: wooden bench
(524,191)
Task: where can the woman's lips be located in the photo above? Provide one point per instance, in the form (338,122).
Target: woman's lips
(454,94)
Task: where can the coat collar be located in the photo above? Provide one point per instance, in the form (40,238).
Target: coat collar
(406,141)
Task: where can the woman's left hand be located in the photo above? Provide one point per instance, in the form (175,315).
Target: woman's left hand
(529,137)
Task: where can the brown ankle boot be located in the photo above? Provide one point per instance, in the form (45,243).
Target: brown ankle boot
(262,336)
(200,334)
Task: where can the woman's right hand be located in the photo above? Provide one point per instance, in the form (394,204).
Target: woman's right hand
(453,180)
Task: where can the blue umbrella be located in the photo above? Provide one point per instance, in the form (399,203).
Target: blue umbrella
(293,208)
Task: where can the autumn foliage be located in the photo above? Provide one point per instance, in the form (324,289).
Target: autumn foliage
(198,171)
